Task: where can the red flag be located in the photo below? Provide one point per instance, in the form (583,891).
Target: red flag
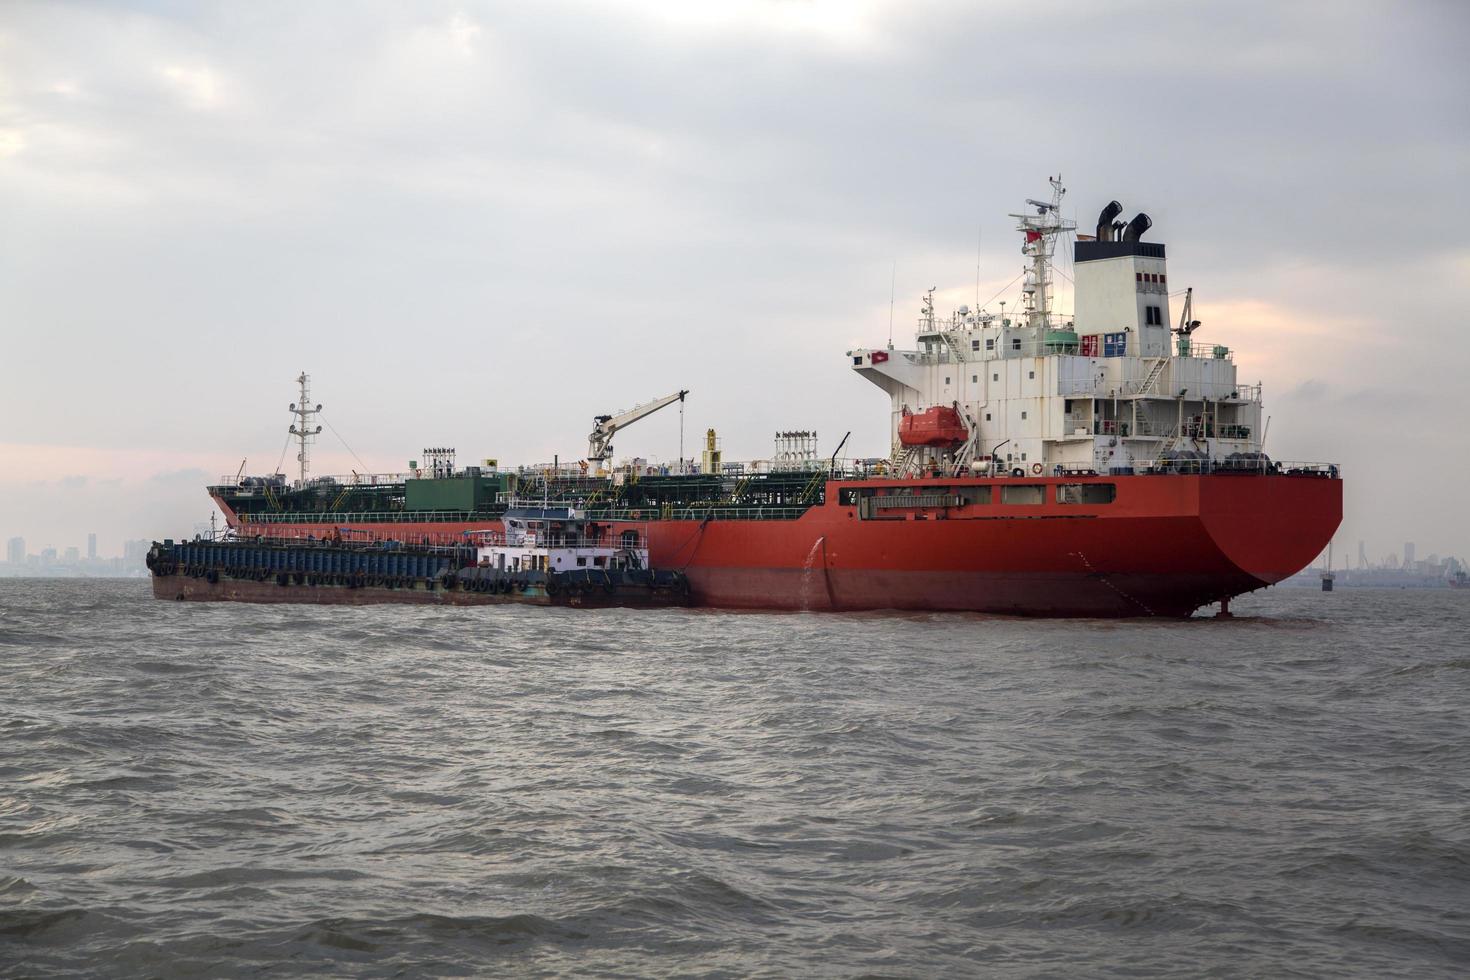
(879,356)
(1032,236)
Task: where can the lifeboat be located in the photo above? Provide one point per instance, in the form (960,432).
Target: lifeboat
(937,426)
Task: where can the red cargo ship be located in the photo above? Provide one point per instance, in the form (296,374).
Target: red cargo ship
(1095,464)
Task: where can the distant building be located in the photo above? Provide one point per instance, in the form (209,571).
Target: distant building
(15,551)
(48,556)
(92,546)
(1408,554)
(73,555)
(135,551)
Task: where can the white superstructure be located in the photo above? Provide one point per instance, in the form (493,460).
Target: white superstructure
(560,539)
(1106,390)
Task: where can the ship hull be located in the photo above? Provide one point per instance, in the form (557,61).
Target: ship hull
(1166,545)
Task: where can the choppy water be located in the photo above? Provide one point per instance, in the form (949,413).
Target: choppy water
(212,789)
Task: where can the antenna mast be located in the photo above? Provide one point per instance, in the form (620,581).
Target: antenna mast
(302,428)
(1041,230)
(892,286)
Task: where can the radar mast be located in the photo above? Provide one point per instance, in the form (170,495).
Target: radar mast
(302,428)
(1041,230)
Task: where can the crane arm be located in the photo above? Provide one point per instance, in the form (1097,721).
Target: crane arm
(599,443)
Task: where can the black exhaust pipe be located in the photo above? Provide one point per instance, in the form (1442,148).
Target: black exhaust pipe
(1140,224)
(1105,221)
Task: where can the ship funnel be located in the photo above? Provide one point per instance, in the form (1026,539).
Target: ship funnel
(1105,221)
(1140,224)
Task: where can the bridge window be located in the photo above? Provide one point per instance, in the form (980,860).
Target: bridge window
(858,359)
(1026,495)
(1086,493)
(990,343)
(974,345)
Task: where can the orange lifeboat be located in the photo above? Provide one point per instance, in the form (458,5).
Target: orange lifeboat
(937,426)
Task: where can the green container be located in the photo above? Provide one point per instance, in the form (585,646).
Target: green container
(1061,340)
(458,493)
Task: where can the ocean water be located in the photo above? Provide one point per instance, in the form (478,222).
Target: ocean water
(235,790)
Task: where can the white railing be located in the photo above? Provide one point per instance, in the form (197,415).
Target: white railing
(1217,352)
(1131,386)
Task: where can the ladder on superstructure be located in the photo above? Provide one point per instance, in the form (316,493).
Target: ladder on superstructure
(966,452)
(902,458)
(963,457)
(956,348)
(1151,379)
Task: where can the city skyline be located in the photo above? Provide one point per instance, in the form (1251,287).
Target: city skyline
(51,561)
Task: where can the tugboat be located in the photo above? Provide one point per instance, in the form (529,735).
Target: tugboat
(547,556)
(555,556)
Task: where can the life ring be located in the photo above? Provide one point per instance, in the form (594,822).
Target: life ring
(1036,469)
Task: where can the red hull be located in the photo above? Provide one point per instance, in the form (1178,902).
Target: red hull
(1165,546)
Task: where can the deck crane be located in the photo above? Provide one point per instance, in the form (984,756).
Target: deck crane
(599,443)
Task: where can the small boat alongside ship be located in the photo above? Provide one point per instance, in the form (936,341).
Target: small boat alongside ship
(544,556)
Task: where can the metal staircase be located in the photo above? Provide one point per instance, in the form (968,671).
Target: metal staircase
(956,347)
(963,457)
(813,487)
(902,459)
(1151,380)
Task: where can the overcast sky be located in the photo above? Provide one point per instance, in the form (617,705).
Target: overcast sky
(479,225)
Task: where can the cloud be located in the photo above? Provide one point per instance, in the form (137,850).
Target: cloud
(198,87)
